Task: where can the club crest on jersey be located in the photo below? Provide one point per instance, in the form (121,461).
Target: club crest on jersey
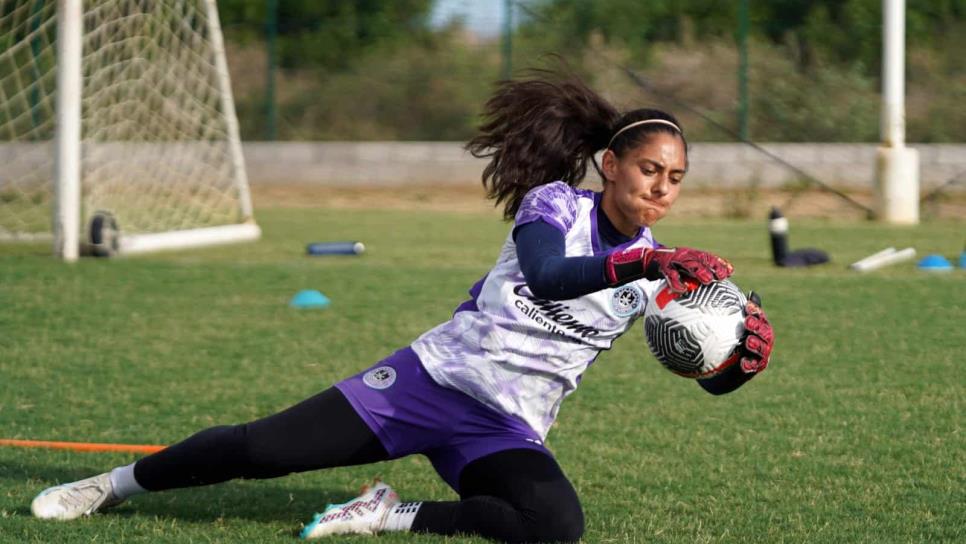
(627,300)
(380,378)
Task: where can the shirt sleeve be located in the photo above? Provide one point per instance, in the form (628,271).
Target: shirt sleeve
(554,203)
(727,381)
(549,273)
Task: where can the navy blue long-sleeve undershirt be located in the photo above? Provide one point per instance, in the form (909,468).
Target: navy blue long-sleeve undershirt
(552,275)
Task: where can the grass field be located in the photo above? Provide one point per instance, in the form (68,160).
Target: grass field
(855,433)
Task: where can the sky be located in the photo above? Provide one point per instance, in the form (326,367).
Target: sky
(484,17)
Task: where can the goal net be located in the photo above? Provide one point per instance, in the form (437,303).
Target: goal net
(124,107)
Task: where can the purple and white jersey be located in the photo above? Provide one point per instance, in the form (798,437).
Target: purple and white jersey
(521,354)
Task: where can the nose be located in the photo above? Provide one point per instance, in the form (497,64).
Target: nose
(662,185)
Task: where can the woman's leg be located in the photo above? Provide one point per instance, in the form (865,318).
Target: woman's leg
(518,495)
(321,432)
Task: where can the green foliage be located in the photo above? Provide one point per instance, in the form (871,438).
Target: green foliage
(634,25)
(846,31)
(854,434)
(375,70)
(329,34)
(819,104)
(412,90)
(366,69)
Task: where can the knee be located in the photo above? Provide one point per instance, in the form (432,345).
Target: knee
(567,527)
(262,458)
(558,519)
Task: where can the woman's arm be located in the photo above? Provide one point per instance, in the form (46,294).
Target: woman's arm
(550,274)
(727,381)
(755,351)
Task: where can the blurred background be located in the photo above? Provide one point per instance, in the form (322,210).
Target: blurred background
(338,100)
(797,74)
(421,69)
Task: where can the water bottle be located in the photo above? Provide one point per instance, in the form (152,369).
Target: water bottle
(778,229)
(335,248)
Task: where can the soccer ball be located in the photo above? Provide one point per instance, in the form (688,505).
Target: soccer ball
(695,334)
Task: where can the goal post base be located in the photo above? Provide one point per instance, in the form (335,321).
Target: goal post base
(134,244)
(897,176)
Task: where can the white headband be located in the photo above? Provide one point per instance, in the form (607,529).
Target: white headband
(644,122)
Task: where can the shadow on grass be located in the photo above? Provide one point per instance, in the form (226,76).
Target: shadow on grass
(253,500)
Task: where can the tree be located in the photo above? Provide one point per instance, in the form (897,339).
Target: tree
(328,34)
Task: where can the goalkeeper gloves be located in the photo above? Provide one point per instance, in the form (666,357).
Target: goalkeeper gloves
(759,337)
(672,264)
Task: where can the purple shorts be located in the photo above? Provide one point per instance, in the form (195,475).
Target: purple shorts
(411,413)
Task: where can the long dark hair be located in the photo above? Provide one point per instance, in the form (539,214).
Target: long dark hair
(547,128)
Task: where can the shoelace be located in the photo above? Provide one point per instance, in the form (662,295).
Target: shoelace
(80,496)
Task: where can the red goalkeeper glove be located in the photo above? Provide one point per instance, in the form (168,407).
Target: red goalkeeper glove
(759,337)
(668,263)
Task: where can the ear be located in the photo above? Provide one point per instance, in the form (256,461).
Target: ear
(608,164)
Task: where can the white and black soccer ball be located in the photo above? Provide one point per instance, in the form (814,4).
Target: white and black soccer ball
(696,334)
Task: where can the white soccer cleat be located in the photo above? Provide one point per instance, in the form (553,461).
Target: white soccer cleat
(76,499)
(363,515)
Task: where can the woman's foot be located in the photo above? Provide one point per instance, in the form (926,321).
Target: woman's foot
(76,499)
(364,515)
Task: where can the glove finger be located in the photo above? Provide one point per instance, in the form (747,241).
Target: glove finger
(753,344)
(750,365)
(721,268)
(752,323)
(758,324)
(766,333)
(674,281)
(698,271)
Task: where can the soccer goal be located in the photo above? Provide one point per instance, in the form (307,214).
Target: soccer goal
(118,128)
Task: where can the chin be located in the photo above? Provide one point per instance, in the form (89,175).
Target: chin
(651,217)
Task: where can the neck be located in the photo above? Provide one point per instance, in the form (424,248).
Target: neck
(625,227)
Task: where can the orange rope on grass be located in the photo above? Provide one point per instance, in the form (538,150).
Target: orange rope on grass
(81,446)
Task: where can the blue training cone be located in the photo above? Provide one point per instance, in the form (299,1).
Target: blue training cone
(935,263)
(309,298)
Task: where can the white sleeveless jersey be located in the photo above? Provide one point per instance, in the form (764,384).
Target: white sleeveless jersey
(520,354)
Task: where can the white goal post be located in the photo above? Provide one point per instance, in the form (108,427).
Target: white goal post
(120,109)
(897,166)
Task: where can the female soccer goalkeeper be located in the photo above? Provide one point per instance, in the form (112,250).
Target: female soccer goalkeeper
(478,394)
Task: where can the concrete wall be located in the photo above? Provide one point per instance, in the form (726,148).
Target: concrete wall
(720,165)
(850,166)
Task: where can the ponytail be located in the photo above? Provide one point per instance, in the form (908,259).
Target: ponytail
(537,131)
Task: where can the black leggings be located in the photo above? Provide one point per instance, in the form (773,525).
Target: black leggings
(511,496)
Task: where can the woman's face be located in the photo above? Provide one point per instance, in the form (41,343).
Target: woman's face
(641,186)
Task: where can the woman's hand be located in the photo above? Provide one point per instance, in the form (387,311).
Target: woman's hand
(673,264)
(759,337)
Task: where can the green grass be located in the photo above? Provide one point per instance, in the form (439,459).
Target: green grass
(855,433)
